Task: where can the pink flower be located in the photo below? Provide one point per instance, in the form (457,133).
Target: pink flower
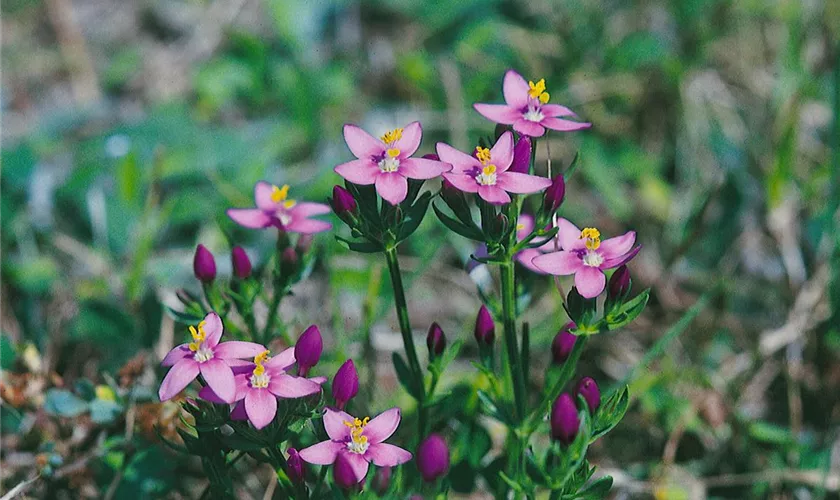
(586,256)
(526,256)
(526,108)
(487,173)
(386,162)
(275,209)
(207,356)
(259,384)
(358,441)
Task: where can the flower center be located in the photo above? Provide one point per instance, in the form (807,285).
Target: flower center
(358,442)
(537,91)
(533,114)
(393,136)
(592,236)
(487,177)
(592,259)
(202,352)
(390,162)
(260,379)
(280,195)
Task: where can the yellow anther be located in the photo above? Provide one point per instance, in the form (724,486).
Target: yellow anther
(392,136)
(592,236)
(261,357)
(489,169)
(279,194)
(393,152)
(544,97)
(520,226)
(357,426)
(198,335)
(483,154)
(537,91)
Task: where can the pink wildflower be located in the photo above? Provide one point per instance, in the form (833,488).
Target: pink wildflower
(487,173)
(586,256)
(207,356)
(274,208)
(359,441)
(526,108)
(386,162)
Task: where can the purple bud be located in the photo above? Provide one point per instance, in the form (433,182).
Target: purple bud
(431,156)
(308,349)
(564,419)
(241,263)
(295,466)
(554,194)
(521,156)
(345,384)
(587,388)
(382,480)
(343,473)
(342,202)
(485,330)
(433,458)
(563,343)
(204,265)
(435,340)
(619,285)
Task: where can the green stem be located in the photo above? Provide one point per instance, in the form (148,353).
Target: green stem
(509,318)
(405,329)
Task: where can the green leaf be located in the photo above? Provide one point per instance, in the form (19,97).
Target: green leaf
(64,403)
(596,490)
(360,246)
(629,311)
(473,233)
(611,412)
(414,216)
(404,375)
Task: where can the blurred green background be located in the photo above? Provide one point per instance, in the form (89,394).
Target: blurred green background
(128,128)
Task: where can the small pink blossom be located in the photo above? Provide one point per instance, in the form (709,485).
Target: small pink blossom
(359,441)
(526,108)
(274,208)
(487,172)
(259,384)
(205,355)
(586,256)
(386,162)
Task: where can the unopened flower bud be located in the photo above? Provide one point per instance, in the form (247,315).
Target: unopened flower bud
(345,384)
(554,194)
(241,263)
(343,473)
(563,343)
(343,203)
(295,466)
(565,422)
(435,340)
(587,388)
(521,156)
(619,285)
(308,349)
(204,265)
(485,329)
(433,458)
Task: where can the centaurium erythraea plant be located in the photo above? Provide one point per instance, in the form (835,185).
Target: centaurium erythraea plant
(274,208)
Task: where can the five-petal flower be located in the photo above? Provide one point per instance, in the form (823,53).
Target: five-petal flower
(274,208)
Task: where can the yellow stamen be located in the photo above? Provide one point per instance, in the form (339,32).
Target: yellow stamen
(392,136)
(483,154)
(259,359)
(489,169)
(544,97)
(393,152)
(592,236)
(357,426)
(280,195)
(537,91)
(198,336)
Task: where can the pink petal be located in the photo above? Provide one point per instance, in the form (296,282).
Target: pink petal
(358,464)
(282,361)
(493,194)
(307,226)
(334,424)
(362,144)
(238,412)
(387,455)
(499,113)
(515,89)
(253,218)
(460,161)
(308,209)
(527,127)
(560,263)
(287,386)
(219,377)
(237,349)
(463,182)
(525,257)
(176,354)
(318,380)
(618,246)
(515,182)
(261,406)
(213,328)
(564,125)
(410,140)
(525,226)
(382,426)
(262,196)
(621,259)
(590,281)
(243,385)
(392,187)
(207,394)
(553,110)
(420,168)
(322,453)
(180,375)
(501,154)
(569,236)
(363,172)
